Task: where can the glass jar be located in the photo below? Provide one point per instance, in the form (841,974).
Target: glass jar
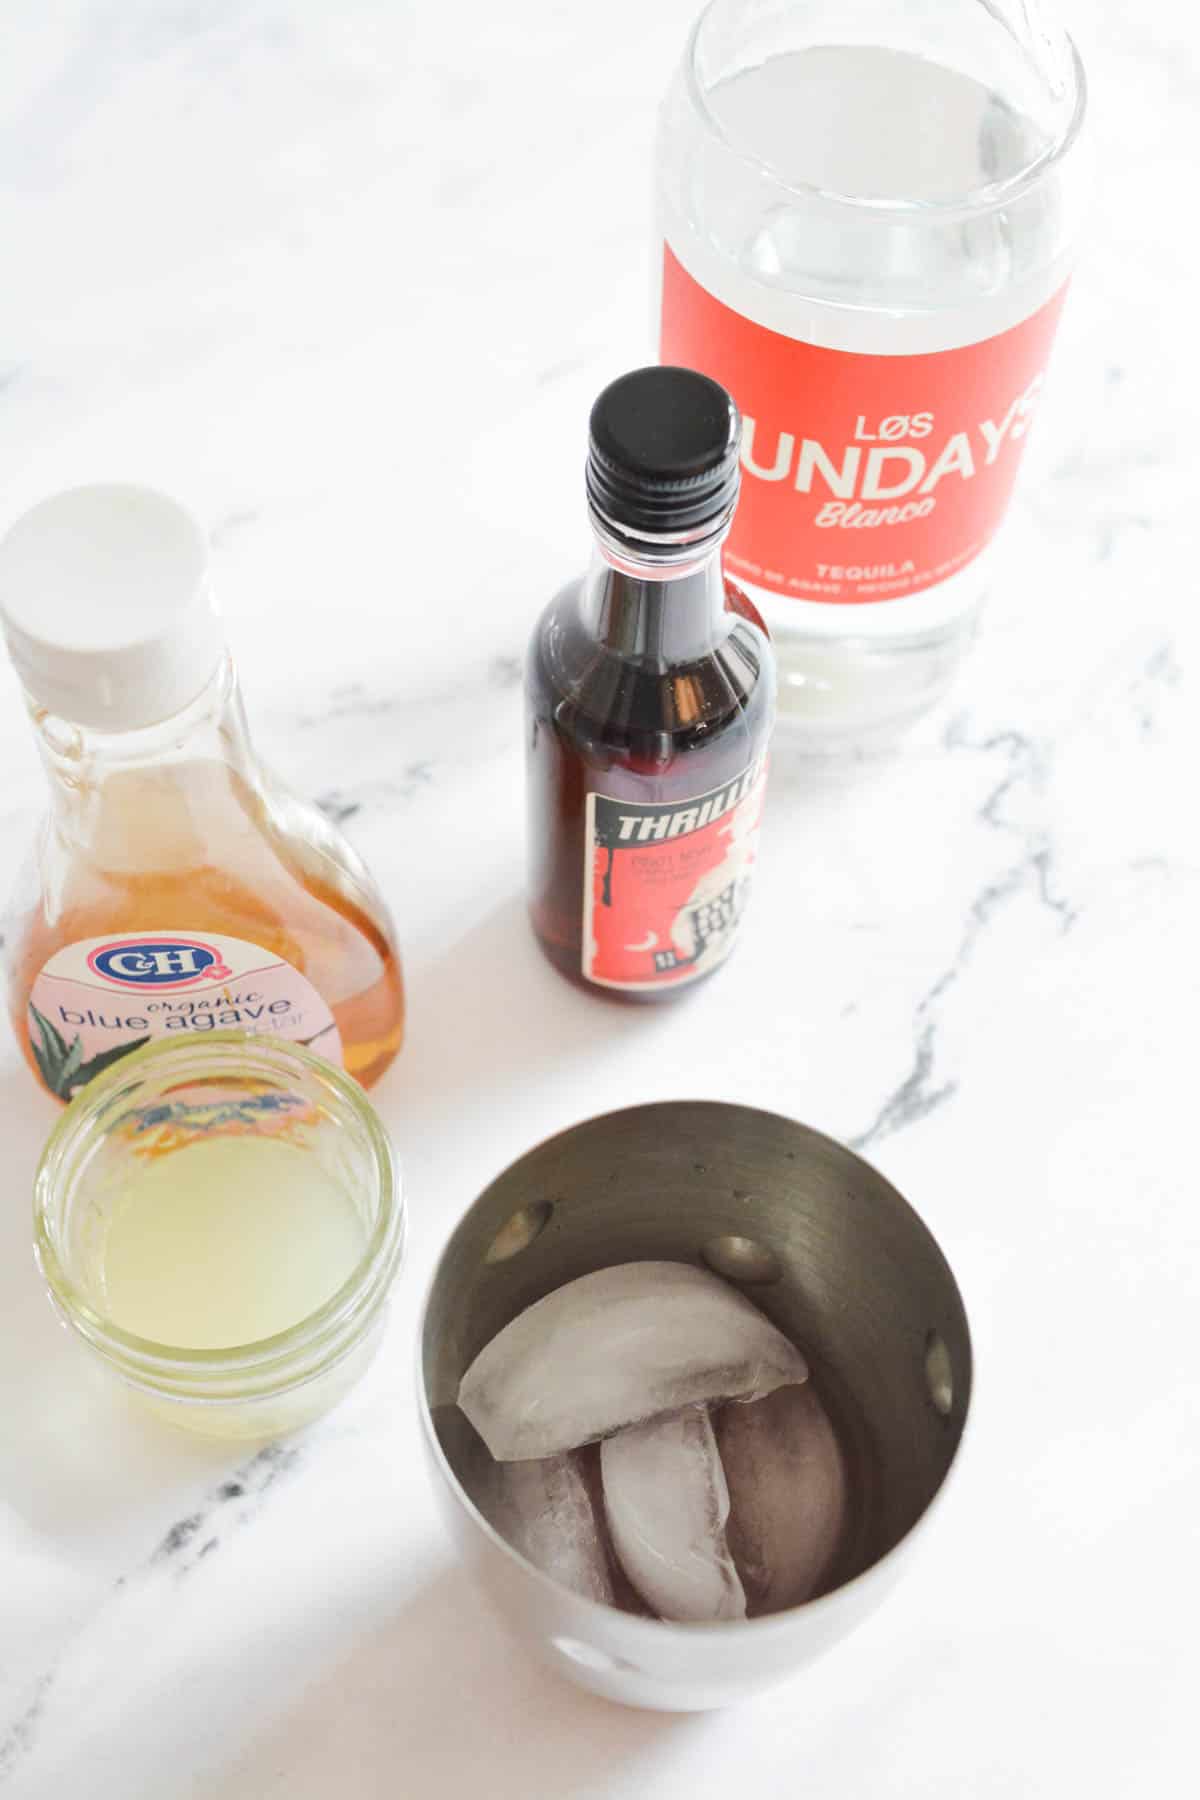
(213,1181)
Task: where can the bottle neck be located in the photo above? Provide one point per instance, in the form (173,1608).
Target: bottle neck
(653,613)
(86,768)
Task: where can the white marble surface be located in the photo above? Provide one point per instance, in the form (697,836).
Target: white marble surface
(347,278)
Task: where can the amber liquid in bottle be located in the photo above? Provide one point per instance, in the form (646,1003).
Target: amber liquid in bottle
(646,686)
(176,887)
(177,828)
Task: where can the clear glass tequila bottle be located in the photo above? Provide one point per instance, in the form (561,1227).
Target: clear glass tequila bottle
(866,222)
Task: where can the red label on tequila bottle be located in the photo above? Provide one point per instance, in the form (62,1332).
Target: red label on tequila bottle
(665,884)
(864,477)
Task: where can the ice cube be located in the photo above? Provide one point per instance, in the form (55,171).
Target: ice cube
(615,1348)
(666,1502)
(787,1489)
(545,1511)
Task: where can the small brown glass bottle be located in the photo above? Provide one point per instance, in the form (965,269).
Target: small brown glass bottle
(650,695)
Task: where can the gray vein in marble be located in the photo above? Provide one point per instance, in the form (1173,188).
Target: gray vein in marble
(354,700)
(1112,526)
(193,1537)
(336,806)
(179,1536)
(187,1543)
(914,1099)
(917,1095)
(227,527)
(19,1738)
(1028,769)
(341,804)
(1160,673)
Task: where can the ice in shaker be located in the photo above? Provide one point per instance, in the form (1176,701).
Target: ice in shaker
(667,1502)
(788,1495)
(618,1347)
(545,1511)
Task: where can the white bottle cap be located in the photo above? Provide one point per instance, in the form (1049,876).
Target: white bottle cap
(106,609)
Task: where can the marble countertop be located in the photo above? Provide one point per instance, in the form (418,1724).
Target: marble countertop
(346,279)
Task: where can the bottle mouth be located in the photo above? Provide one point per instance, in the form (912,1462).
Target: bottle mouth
(1068,86)
(660,553)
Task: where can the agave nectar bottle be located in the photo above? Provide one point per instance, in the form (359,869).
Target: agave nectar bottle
(176,887)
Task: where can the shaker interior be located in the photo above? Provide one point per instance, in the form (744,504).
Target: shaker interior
(822,1243)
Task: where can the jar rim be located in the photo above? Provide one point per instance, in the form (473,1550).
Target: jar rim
(264,1365)
(988,198)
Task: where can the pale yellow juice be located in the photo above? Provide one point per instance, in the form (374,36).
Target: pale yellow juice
(224,1242)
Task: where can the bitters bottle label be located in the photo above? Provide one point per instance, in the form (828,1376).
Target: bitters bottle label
(864,478)
(96,1000)
(665,883)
